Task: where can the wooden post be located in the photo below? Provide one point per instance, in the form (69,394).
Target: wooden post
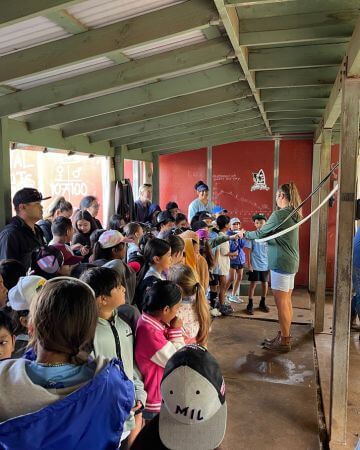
(148,170)
(344,244)
(119,163)
(276,168)
(314,227)
(320,285)
(209,171)
(156,178)
(5,179)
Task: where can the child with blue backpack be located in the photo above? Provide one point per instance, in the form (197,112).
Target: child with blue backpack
(63,399)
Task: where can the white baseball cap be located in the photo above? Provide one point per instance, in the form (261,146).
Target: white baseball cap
(111,238)
(234,220)
(21,295)
(194,411)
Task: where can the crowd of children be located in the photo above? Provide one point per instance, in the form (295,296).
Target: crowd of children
(88,331)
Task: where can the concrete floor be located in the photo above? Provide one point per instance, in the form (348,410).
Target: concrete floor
(272,399)
(323,345)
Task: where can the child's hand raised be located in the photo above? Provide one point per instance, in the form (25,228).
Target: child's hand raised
(176,322)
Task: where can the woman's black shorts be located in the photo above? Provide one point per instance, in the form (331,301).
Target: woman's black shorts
(259,275)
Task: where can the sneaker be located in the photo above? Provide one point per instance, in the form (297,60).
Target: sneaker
(227,302)
(215,312)
(270,341)
(235,299)
(264,308)
(281,345)
(249,310)
(226,310)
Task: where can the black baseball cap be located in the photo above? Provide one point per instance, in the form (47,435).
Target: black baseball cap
(194,411)
(28,195)
(171,205)
(164,217)
(258,216)
(47,261)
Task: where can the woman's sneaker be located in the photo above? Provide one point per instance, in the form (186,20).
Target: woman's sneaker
(215,312)
(235,299)
(226,310)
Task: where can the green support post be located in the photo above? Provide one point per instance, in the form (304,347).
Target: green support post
(119,163)
(156,179)
(5,180)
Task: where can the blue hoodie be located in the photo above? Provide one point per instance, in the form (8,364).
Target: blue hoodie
(237,246)
(90,417)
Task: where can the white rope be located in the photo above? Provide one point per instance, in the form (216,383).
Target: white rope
(305,219)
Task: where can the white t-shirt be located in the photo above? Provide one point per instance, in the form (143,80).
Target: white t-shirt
(223,262)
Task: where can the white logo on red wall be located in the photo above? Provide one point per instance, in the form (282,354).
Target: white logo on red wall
(259,181)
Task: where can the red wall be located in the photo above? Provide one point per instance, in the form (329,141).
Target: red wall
(128,170)
(178,174)
(296,165)
(233,166)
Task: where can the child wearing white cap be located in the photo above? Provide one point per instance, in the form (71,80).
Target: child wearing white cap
(20,297)
(237,261)
(193,411)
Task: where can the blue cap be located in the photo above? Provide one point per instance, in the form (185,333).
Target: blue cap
(218,209)
(202,188)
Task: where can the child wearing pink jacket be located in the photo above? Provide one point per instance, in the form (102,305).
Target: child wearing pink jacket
(159,334)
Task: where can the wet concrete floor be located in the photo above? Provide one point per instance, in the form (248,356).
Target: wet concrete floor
(323,346)
(271,397)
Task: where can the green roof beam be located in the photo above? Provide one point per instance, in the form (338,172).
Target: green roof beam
(295,105)
(296,93)
(13,11)
(296,77)
(318,34)
(49,137)
(158,109)
(297,114)
(233,126)
(162,90)
(301,56)
(66,21)
(183,117)
(242,117)
(147,28)
(232,27)
(142,70)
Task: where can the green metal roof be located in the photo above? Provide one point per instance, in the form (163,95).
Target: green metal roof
(166,75)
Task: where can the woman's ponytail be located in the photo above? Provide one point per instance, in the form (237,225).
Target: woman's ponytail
(295,199)
(292,195)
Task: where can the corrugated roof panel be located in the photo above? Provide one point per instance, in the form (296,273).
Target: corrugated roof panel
(165,45)
(60,73)
(29,33)
(141,83)
(97,13)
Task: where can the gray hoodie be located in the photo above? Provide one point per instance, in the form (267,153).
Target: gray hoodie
(19,395)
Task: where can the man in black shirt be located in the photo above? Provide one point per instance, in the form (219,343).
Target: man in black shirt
(22,236)
(143,203)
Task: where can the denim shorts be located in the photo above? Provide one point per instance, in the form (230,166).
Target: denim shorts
(282,281)
(148,415)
